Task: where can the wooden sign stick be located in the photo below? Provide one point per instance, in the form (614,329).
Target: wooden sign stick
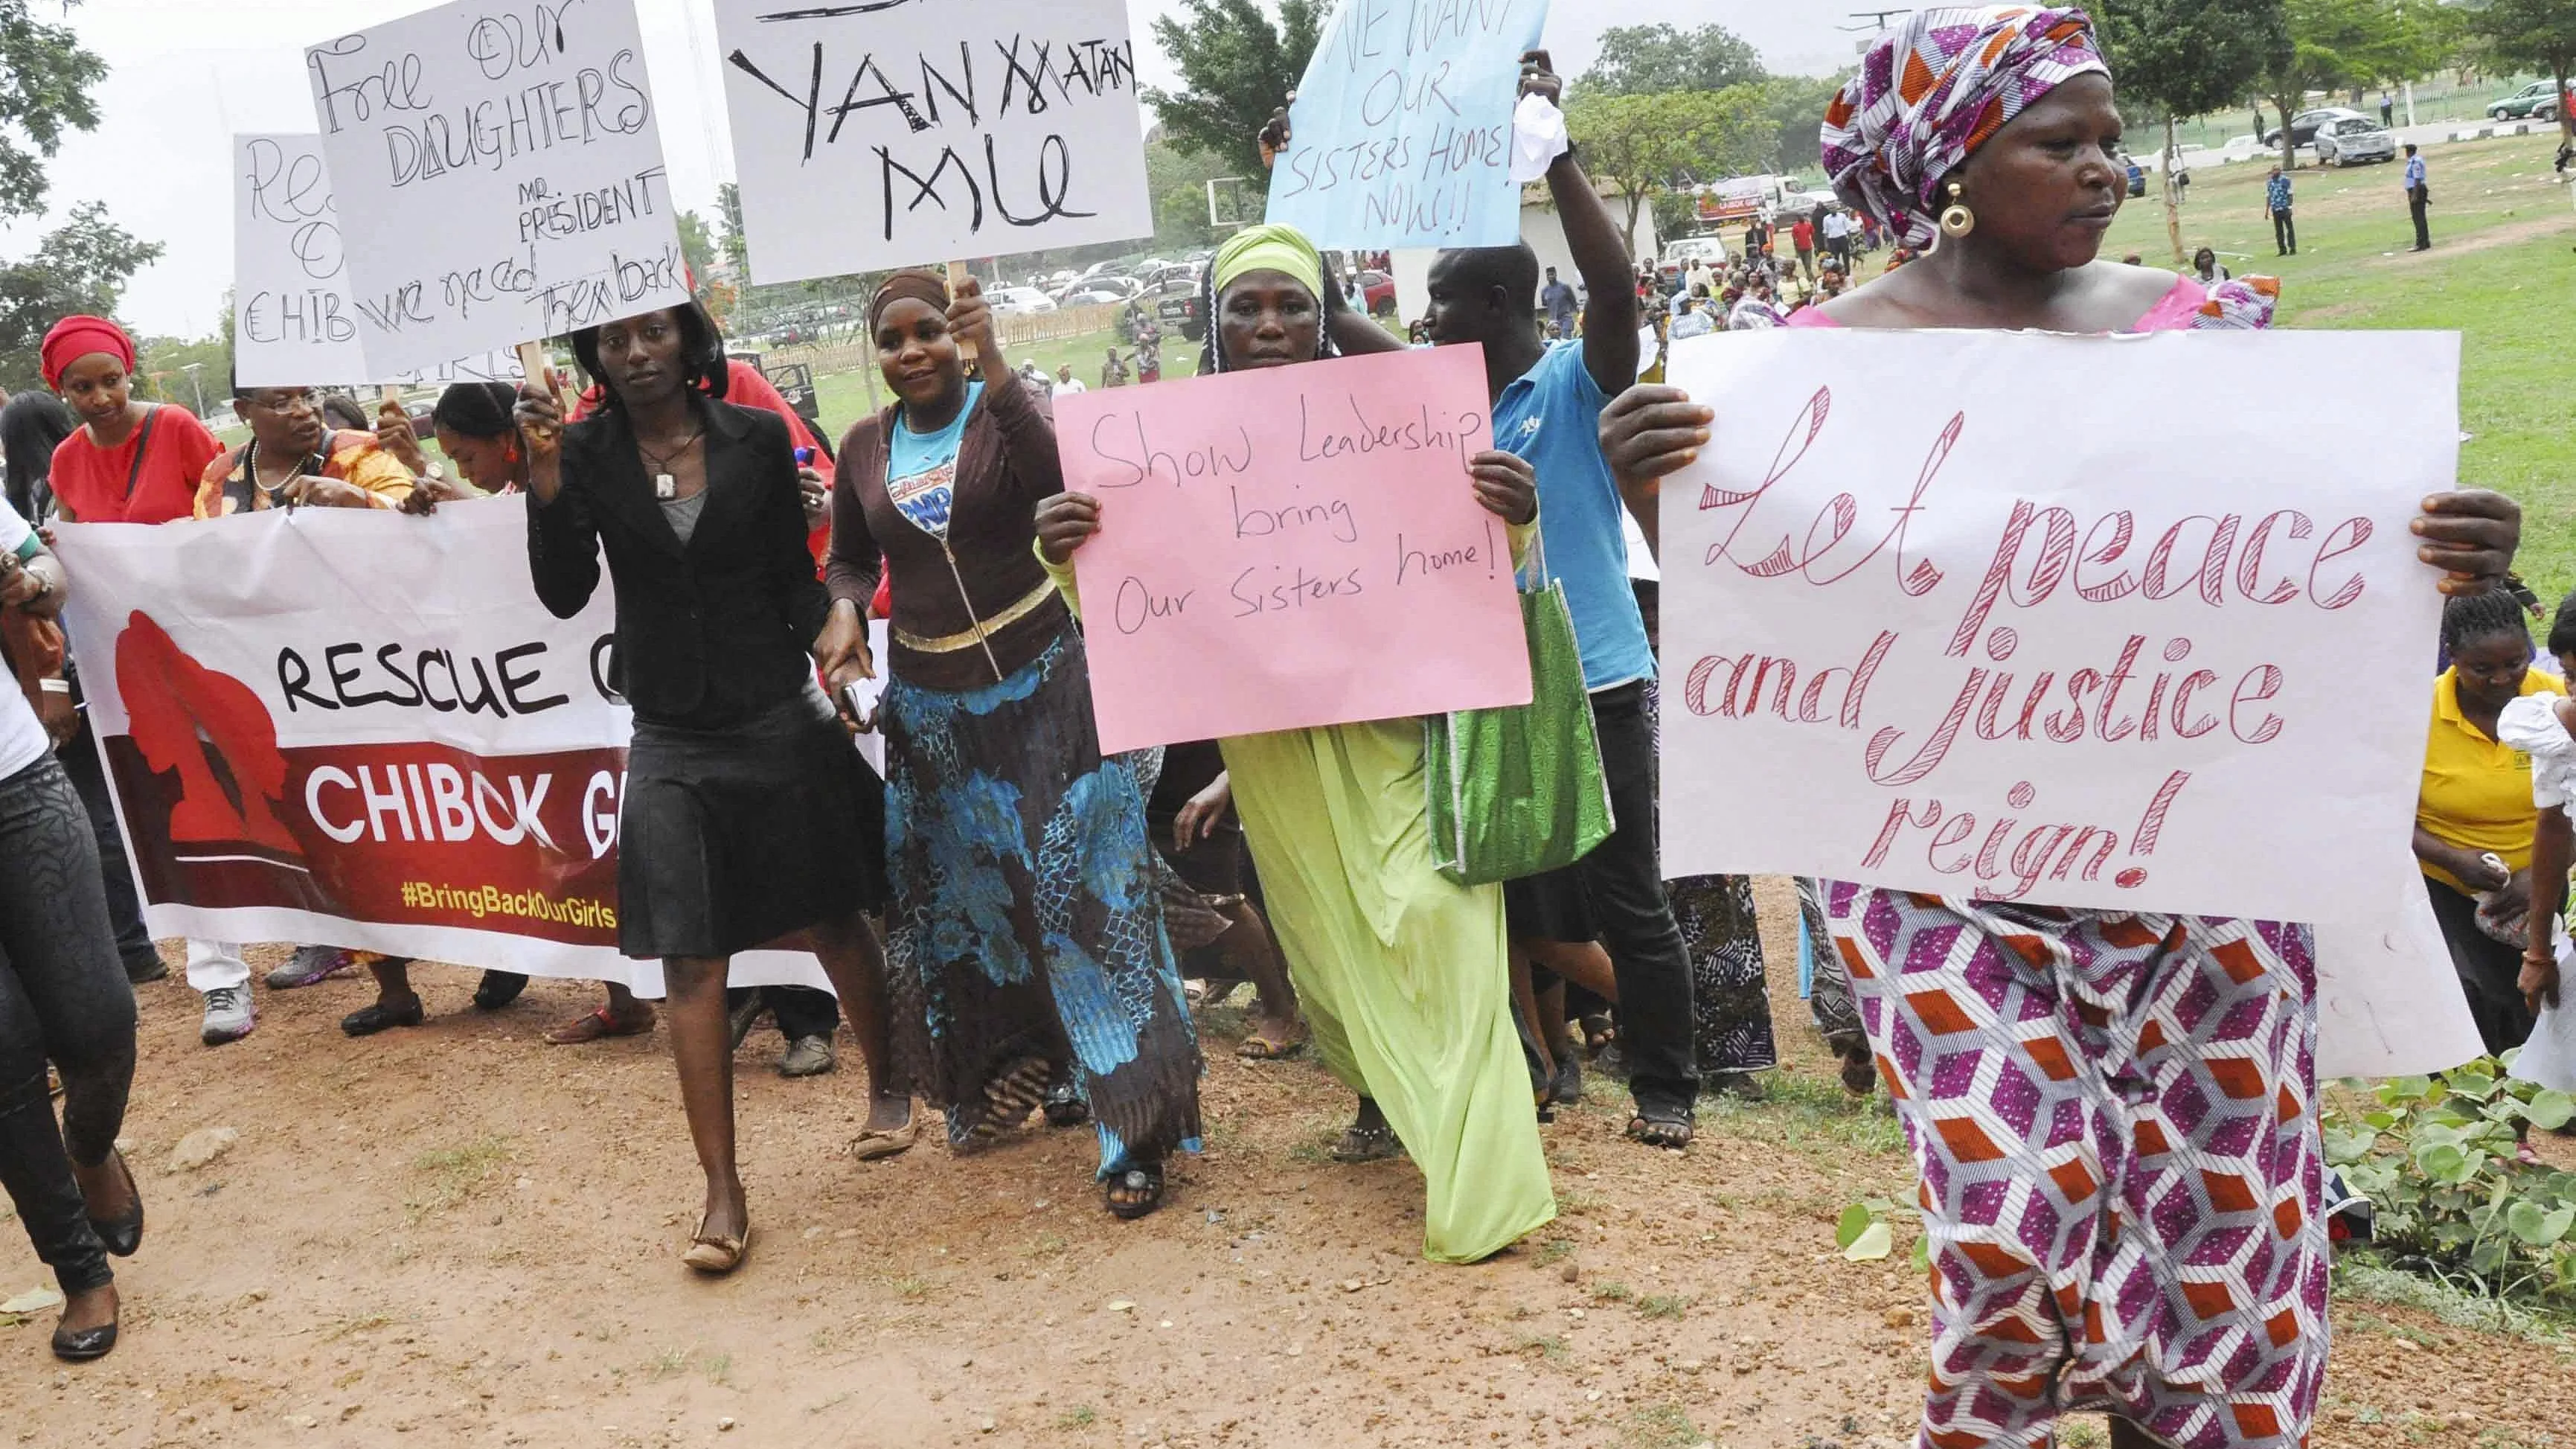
(539,369)
(957,273)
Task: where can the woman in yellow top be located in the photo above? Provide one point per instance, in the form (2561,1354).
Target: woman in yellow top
(2474,816)
(1402,973)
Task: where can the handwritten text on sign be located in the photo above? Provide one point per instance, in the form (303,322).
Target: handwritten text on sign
(904,131)
(293,322)
(1291,547)
(1402,129)
(498,173)
(1938,616)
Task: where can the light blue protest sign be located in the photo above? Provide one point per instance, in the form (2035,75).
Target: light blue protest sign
(1401,133)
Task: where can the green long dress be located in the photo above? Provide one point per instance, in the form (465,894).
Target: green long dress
(1403,975)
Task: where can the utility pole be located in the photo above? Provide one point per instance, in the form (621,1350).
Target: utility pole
(192,369)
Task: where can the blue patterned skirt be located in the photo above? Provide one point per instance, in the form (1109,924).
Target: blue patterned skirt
(1025,921)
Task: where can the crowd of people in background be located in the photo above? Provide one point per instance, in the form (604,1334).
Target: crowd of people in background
(1017,925)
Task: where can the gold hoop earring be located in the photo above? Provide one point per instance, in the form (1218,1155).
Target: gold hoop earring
(1958,220)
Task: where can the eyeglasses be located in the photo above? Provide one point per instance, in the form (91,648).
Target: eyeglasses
(285,403)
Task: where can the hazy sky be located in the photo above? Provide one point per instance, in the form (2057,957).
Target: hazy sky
(186,74)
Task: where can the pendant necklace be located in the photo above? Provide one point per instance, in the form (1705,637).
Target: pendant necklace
(666,487)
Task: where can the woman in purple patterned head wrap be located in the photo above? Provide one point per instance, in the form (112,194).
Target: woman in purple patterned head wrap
(2113,1111)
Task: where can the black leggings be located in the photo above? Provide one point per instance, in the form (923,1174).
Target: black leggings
(63,996)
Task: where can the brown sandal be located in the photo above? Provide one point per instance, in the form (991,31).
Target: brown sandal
(716,1256)
(595,1024)
(1259,1048)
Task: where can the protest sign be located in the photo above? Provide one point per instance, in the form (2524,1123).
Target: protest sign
(293,322)
(400,749)
(498,176)
(1291,547)
(901,132)
(1918,638)
(1401,133)
(1937,615)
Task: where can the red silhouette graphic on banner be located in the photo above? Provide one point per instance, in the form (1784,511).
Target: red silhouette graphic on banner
(185,717)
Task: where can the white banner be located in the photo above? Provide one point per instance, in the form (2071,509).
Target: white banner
(355,728)
(293,322)
(1966,612)
(499,176)
(899,132)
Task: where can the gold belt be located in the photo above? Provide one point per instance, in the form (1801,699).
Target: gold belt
(983,628)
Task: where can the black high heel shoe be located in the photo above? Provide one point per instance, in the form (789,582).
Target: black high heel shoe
(122,1235)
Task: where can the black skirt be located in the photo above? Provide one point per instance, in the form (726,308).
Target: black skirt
(731,839)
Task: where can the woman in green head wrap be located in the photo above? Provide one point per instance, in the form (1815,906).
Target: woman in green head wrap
(1402,973)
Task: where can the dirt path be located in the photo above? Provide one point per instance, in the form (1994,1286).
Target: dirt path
(457,1235)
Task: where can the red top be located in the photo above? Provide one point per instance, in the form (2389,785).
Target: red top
(89,481)
(1803,232)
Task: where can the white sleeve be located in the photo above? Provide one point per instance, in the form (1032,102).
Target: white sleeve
(14,531)
(2530,724)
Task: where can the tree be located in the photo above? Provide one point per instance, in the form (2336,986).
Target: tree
(1643,60)
(1792,108)
(729,217)
(2187,58)
(1178,180)
(697,247)
(164,363)
(1647,144)
(45,78)
(1236,68)
(82,266)
(2320,45)
(2532,34)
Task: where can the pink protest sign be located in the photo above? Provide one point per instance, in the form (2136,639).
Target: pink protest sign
(1291,547)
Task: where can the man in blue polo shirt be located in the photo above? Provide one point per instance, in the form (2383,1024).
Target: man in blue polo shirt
(1547,402)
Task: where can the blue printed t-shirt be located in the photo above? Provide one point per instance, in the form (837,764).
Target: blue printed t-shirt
(1551,415)
(921,468)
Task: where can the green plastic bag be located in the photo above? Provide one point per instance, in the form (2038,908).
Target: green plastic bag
(1519,790)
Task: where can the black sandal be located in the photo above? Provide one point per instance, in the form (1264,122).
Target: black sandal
(122,1235)
(498,989)
(368,1020)
(1145,1184)
(1366,1144)
(1064,1106)
(1669,1128)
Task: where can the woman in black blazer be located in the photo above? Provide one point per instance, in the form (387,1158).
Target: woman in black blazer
(747,814)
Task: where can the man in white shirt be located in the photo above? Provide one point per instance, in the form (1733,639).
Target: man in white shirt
(1066,382)
(1838,236)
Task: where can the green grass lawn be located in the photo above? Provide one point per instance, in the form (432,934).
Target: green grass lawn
(2502,273)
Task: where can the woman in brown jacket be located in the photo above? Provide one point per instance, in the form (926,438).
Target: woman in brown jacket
(1026,940)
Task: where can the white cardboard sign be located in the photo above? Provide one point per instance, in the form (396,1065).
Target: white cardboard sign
(293,322)
(498,173)
(898,132)
(1947,611)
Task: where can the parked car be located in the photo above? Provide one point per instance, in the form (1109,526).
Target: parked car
(2130,168)
(1377,291)
(2350,142)
(2303,126)
(1680,254)
(2533,102)
(1006,301)
(1175,302)
(1091,294)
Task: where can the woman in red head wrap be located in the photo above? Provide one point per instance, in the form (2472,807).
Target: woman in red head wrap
(131,461)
